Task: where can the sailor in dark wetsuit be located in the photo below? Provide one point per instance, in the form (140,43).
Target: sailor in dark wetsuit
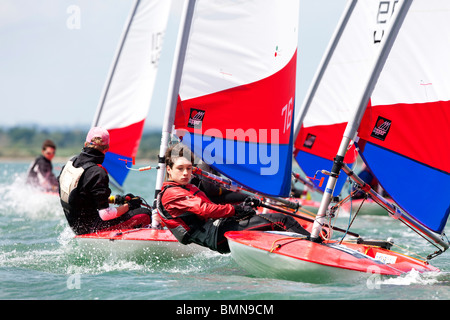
(85,192)
(40,174)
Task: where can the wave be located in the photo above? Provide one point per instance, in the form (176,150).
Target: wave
(22,200)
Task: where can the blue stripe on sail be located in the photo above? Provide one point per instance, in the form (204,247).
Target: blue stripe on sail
(116,168)
(260,167)
(310,164)
(420,190)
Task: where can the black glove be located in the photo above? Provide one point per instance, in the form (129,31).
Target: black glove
(134,203)
(118,199)
(129,196)
(243,211)
(252,202)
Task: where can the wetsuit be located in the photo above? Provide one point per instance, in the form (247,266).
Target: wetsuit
(193,218)
(40,174)
(84,200)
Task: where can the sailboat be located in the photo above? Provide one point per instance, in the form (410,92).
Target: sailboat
(125,101)
(233,93)
(122,110)
(388,129)
(228,54)
(236,53)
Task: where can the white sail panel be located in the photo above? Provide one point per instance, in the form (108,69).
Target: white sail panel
(336,98)
(128,91)
(245,37)
(419,62)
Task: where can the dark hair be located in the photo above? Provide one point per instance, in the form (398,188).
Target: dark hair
(48,143)
(176,151)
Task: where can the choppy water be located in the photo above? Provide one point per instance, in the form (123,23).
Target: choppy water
(40,260)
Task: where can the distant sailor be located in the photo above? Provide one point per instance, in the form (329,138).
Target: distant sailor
(40,174)
(85,192)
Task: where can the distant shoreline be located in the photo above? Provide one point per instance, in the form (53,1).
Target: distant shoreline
(59,160)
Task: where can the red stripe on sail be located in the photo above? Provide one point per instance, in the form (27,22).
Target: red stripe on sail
(125,141)
(417,131)
(324,141)
(245,107)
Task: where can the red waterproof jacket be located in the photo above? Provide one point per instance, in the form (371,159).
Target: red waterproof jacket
(185,208)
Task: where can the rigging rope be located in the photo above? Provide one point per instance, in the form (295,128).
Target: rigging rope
(278,246)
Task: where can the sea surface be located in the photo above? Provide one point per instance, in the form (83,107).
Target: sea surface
(40,260)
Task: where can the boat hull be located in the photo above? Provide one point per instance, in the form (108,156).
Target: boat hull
(151,242)
(280,255)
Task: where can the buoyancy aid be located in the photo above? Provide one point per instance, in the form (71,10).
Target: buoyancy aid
(183,225)
(69,179)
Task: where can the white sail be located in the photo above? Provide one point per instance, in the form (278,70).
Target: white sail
(294,256)
(125,101)
(239,72)
(333,97)
(369,81)
(406,122)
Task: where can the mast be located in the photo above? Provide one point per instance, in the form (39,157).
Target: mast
(174,87)
(352,126)
(323,66)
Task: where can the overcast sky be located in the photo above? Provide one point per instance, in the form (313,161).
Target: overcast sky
(52,72)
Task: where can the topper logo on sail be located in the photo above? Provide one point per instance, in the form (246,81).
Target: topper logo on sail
(381,128)
(309,141)
(196,118)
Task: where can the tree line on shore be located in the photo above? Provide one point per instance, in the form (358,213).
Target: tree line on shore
(25,142)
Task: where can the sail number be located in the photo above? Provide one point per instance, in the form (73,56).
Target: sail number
(286,112)
(385,11)
(157,40)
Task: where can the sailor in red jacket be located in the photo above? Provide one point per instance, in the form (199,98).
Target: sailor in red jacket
(193,218)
